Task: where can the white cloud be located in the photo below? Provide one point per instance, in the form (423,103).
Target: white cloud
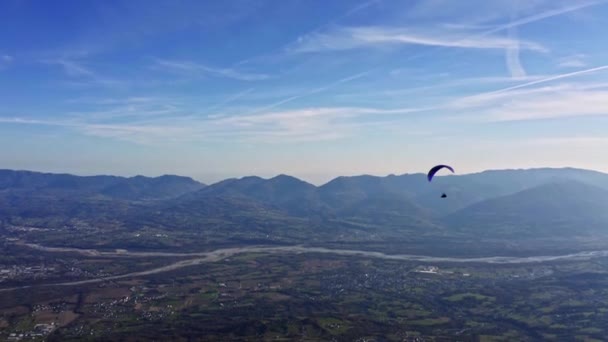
(187,66)
(573,61)
(346,38)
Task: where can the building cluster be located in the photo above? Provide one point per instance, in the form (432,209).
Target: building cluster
(529,274)
(21,272)
(55,307)
(427,269)
(39,330)
(30,272)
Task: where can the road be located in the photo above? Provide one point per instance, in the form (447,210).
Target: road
(217,255)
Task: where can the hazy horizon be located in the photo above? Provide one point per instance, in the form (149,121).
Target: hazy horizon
(316,180)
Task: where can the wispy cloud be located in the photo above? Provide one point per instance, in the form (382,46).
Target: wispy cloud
(573,61)
(528,101)
(480,12)
(154,127)
(139,133)
(439,88)
(551,105)
(111,101)
(299,124)
(73,68)
(129,112)
(229,100)
(307,124)
(83,75)
(513,60)
(511,24)
(25,121)
(279,53)
(512,53)
(346,38)
(192,67)
(5,60)
(298,115)
(157,123)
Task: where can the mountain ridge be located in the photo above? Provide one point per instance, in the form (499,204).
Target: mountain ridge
(502,207)
(546,209)
(301,198)
(130,188)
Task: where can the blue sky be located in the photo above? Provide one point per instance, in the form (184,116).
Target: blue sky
(315,89)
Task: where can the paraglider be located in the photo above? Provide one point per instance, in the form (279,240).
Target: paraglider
(434,170)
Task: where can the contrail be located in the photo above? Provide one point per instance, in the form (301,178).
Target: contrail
(548,79)
(346,14)
(516,23)
(350,12)
(544,15)
(313,91)
(512,24)
(230,99)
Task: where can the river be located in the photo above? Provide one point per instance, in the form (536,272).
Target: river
(213,256)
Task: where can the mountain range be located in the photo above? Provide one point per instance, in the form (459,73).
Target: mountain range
(496,204)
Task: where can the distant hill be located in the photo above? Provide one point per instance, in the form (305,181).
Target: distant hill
(133,188)
(142,188)
(557,208)
(285,192)
(462,190)
(345,191)
(511,181)
(367,198)
(38,181)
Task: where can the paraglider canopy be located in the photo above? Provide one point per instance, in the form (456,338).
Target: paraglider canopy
(434,170)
